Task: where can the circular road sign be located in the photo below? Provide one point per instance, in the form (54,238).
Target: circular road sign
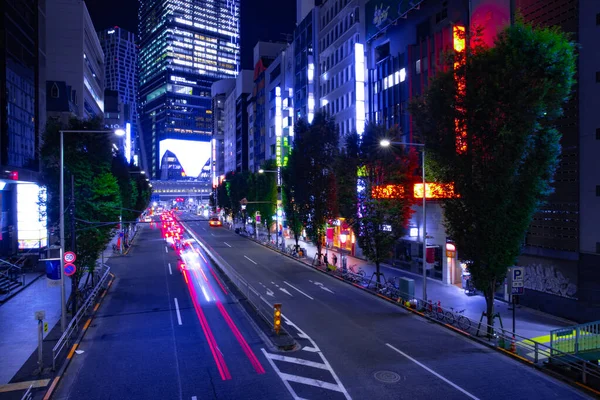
(70,269)
(69,257)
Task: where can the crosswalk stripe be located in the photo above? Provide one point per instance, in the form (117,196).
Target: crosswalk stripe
(297,361)
(311,382)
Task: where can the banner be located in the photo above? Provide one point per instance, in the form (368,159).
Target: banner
(382,13)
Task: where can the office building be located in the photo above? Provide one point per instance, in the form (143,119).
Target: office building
(220,90)
(305,55)
(264,54)
(341,64)
(185,46)
(75,56)
(120,53)
(562,248)
(22,121)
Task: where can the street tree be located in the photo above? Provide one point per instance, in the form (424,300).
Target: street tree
(379,211)
(489,125)
(290,205)
(313,156)
(265,192)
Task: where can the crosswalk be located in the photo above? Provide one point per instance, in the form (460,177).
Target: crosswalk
(306,373)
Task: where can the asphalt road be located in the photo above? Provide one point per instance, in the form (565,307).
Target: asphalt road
(355,345)
(160,334)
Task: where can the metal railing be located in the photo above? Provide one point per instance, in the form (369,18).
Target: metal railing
(262,306)
(538,354)
(73,326)
(577,339)
(28,394)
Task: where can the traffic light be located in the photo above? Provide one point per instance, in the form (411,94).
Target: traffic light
(277,317)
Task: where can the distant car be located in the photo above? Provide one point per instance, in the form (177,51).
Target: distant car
(215,221)
(148,218)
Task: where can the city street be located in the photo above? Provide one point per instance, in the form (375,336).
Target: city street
(157,337)
(375,349)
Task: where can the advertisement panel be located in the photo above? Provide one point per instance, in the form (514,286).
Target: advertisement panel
(31,216)
(191,154)
(382,13)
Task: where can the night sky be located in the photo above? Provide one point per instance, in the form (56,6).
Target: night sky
(261,20)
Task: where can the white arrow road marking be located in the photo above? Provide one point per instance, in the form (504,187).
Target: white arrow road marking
(285,291)
(166,250)
(294,287)
(270,293)
(227,244)
(170,272)
(455,386)
(319,284)
(251,260)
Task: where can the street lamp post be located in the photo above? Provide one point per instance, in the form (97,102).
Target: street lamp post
(387,143)
(343,238)
(262,171)
(63,302)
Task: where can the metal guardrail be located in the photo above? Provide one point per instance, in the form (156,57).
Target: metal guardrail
(73,326)
(258,302)
(28,394)
(577,338)
(538,354)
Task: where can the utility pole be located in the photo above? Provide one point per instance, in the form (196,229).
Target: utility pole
(73,244)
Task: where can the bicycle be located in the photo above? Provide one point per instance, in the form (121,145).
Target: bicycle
(435,310)
(456,317)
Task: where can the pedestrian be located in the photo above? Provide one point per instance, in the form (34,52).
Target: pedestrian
(334,257)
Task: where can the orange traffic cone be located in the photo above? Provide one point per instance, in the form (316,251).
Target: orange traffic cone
(513,345)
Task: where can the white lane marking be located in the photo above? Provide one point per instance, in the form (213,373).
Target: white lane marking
(170,271)
(455,386)
(296,361)
(311,382)
(285,291)
(270,293)
(204,228)
(212,234)
(251,260)
(318,351)
(294,287)
(177,310)
(166,249)
(319,284)
(227,244)
(194,398)
(286,383)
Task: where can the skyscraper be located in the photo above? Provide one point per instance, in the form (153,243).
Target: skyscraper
(185,46)
(120,53)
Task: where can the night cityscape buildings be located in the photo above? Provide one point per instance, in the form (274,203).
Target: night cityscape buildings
(185,46)
(120,53)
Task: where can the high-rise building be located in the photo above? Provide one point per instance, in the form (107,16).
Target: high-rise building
(265,53)
(120,53)
(185,46)
(74,56)
(22,120)
(305,55)
(220,90)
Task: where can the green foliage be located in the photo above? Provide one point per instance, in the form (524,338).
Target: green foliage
(368,214)
(290,205)
(514,95)
(265,190)
(313,159)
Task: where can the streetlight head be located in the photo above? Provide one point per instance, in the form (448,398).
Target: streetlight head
(143,172)
(120,132)
(261,171)
(384,143)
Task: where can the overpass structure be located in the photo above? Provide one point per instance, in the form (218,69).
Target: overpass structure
(198,190)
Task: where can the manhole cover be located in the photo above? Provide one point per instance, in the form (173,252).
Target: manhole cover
(387,376)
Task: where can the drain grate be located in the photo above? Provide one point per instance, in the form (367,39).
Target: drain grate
(387,376)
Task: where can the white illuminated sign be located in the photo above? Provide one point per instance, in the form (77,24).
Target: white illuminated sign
(31,219)
(359,67)
(127,146)
(192,154)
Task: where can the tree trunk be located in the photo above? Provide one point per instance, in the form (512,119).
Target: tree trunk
(377,273)
(489,301)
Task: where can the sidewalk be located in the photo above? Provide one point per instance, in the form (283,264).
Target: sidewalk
(529,323)
(18,327)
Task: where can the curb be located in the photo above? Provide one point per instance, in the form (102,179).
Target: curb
(476,339)
(67,361)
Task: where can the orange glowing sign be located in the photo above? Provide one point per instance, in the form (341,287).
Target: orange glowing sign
(387,192)
(459,43)
(435,190)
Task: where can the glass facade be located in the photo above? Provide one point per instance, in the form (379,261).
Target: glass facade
(185,46)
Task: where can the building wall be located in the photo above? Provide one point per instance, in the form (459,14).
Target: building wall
(341,26)
(306,48)
(179,61)
(74,54)
(219,93)
(229,132)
